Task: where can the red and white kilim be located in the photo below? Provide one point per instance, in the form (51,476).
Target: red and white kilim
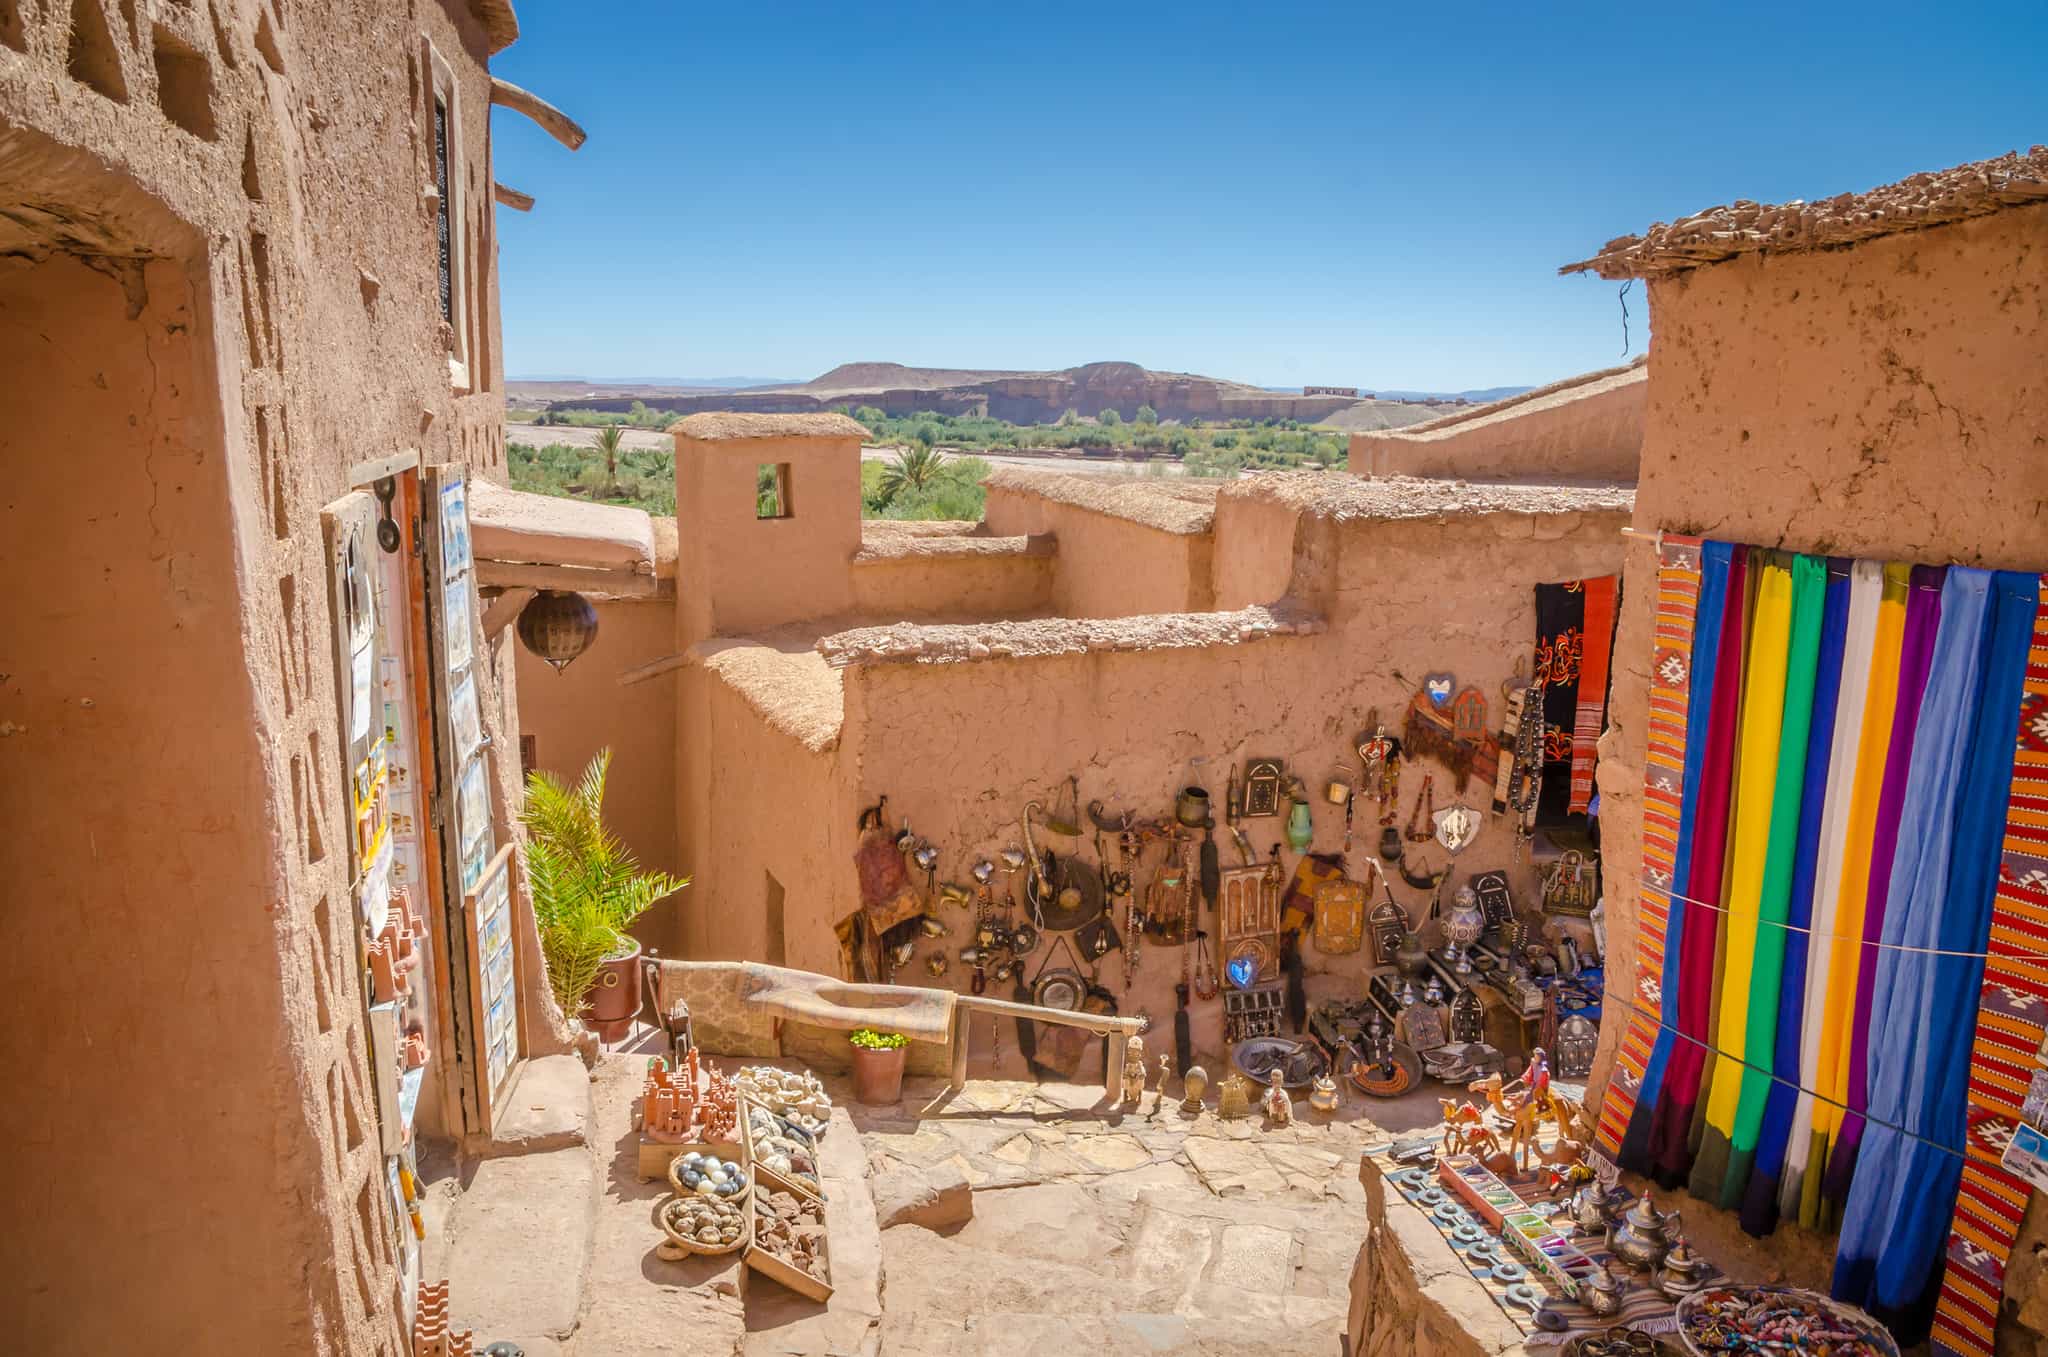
(2011,1020)
(1678,597)
(1591,713)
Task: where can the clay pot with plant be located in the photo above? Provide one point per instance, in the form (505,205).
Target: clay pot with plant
(878,1065)
(587,891)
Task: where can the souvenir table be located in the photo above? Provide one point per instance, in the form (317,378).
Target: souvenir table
(1516,1286)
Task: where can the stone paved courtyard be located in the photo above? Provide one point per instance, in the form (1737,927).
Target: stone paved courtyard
(1091,1228)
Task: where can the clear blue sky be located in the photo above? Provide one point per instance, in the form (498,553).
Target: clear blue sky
(1281,194)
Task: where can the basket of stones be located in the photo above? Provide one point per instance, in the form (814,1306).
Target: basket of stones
(793,1094)
(782,1153)
(789,1243)
(698,1174)
(703,1225)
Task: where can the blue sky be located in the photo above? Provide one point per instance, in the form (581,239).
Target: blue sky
(1276,194)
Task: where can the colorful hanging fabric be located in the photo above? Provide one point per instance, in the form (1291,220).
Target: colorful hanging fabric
(1761,1196)
(1866,588)
(1763,715)
(1591,716)
(1560,646)
(1665,779)
(1831,1084)
(1916,654)
(1669,1150)
(1753,1079)
(2012,1023)
(1903,1196)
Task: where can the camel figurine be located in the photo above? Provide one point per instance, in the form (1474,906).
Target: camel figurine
(1525,1116)
(1458,1115)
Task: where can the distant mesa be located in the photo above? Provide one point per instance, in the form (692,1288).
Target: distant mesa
(1024,397)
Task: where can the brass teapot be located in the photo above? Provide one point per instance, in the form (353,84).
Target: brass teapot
(1684,1271)
(1641,1238)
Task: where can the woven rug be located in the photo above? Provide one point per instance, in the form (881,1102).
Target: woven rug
(1678,590)
(1644,1308)
(2011,1020)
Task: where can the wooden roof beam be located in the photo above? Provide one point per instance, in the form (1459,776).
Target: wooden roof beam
(512,198)
(552,120)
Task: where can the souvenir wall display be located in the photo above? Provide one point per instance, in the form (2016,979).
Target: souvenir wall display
(1494,901)
(1340,917)
(1431,731)
(1572,886)
(1170,899)
(1251,1013)
(1468,1016)
(1577,1040)
(1263,779)
(1456,827)
(1389,924)
(1250,914)
(1462,925)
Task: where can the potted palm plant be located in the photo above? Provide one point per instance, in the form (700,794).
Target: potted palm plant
(587,891)
(878,1065)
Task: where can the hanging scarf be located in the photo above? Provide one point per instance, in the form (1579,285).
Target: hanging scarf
(1941,895)
(1866,588)
(2012,1021)
(1774,905)
(1644,1048)
(1760,1197)
(1560,642)
(1872,750)
(1763,715)
(1669,1151)
(1916,653)
(1696,1133)
(1591,716)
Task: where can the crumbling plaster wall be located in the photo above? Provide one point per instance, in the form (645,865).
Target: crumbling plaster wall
(1888,400)
(1132,716)
(310,281)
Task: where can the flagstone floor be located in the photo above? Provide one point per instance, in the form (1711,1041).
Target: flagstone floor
(1091,1227)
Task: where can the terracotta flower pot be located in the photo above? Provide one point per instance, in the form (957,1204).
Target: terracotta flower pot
(614,997)
(878,1075)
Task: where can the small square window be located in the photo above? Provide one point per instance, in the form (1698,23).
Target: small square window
(771,491)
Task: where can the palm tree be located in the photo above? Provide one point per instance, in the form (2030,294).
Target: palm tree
(608,439)
(587,886)
(915,468)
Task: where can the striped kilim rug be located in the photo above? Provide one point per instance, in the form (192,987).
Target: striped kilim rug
(2011,1020)
(1678,594)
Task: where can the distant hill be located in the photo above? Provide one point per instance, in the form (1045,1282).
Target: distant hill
(1478,396)
(1020,397)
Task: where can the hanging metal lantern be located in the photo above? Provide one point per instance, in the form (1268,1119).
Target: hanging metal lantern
(557,626)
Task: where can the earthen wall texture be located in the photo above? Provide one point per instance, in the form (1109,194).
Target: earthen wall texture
(1135,725)
(1589,432)
(1108,566)
(571,715)
(216,235)
(1888,400)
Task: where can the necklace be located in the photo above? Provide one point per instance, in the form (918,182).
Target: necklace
(1415,833)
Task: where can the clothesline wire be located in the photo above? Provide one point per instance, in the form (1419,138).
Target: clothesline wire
(1797,1087)
(2013,954)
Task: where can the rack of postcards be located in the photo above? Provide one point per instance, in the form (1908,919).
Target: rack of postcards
(486,1004)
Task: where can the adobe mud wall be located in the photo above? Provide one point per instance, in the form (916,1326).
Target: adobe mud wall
(1108,565)
(1589,428)
(1884,401)
(571,715)
(1131,717)
(254,228)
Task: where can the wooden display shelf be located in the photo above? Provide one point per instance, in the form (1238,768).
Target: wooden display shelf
(777,1269)
(803,1188)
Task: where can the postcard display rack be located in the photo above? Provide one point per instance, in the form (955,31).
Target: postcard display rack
(372,587)
(483,979)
